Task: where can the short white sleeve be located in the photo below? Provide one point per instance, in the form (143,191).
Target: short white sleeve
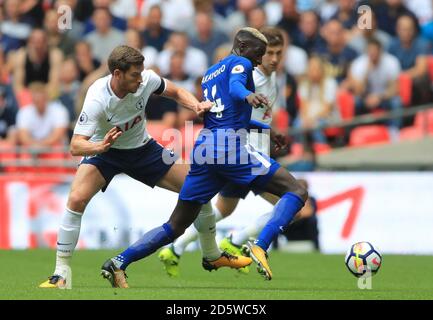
(24,118)
(153,82)
(330,90)
(393,67)
(359,68)
(60,115)
(90,114)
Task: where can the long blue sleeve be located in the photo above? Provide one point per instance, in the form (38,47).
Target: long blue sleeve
(239,78)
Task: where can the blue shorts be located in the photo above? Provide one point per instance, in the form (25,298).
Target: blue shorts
(205,180)
(145,164)
(231,190)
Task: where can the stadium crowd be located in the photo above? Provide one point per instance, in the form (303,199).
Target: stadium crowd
(333,68)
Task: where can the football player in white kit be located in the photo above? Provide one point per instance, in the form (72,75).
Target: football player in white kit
(111,135)
(265,82)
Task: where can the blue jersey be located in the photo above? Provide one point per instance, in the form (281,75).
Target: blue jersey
(227,84)
(221,153)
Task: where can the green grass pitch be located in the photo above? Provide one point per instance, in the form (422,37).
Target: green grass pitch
(296,276)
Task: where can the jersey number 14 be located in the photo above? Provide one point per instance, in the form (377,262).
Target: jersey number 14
(218,107)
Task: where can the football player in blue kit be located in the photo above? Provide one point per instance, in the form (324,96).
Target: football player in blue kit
(222,155)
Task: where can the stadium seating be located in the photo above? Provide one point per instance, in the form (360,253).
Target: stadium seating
(346,107)
(369,135)
(423,125)
(405,89)
(282,120)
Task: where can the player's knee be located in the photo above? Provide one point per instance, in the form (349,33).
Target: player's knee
(301,191)
(77,201)
(298,189)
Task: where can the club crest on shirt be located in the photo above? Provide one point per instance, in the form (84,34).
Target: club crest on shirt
(140,104)
(238,69)
(83,118)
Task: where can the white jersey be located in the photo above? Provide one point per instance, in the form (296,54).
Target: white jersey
(266,85)
(103,110)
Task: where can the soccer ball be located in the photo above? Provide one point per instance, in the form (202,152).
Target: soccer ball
(361,258)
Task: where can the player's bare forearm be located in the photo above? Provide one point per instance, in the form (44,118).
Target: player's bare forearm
(81,146)
(180,95)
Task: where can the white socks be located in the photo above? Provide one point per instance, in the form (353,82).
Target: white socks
(191,234)
(252,230)
(206,226)
(67,239)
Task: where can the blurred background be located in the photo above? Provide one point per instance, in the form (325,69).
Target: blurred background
(355,102)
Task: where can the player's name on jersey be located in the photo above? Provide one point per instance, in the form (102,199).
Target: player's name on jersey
(214,74)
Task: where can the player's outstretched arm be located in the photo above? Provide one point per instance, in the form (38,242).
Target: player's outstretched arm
(185,98)
(257,100)
(81,146)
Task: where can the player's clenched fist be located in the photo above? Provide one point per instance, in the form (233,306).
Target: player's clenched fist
(257,100)
(203,107)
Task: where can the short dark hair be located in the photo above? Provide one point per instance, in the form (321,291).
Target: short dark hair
(374,42)
(273,35)
(123,57)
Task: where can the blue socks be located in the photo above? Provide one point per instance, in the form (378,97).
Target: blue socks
(146,245)
(283,213)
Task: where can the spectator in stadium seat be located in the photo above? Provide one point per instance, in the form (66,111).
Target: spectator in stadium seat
(308,37)
(336,54)
(104,38)
(180,78)
(134,40)
(132,11)
(15,28)
(207,38)
(412,51)
(116,22)
(43,123)
(176,13)
(290,19)
(387,14)
(224,7)
(218,22)
(37,63)
(155,34)
(360,39)
(326,9)
(374,81)
(77,27)
(256,18)
(8,112)
(34,10)
(238,19)
(57,38)
(85,61)
(69,88)
(317,99)
(195,59)
(347,14)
